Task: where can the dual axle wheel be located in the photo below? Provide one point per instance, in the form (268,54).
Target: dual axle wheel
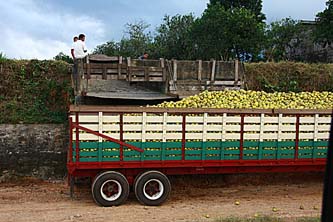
(111,188)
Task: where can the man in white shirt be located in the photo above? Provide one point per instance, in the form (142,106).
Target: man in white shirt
(79,53)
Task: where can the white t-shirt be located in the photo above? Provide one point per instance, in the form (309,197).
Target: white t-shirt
(80,50)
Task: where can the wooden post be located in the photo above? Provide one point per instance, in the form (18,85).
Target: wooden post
(212,77)
(236,72)
(104,72)
(175,70)
(129,70)
(120,62)
(164,76)
(200,70)
(146,73)
(88,68)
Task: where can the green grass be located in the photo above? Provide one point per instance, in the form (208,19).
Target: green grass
(267,219)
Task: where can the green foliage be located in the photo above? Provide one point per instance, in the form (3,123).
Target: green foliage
(62,57)
(135,42)
(173,39)
(228,34)
(324,28)
(3,57)
(34,92)
(289,77)
(255,6)
(282,36)
(110,48)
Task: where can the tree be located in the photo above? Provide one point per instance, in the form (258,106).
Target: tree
(228,34)
(110,48)
(134,43)
(136,40)
(283,36)
(173,39)
(63,57)
(255,6)
(324,25)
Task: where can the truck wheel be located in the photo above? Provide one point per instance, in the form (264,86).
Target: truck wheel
(152,188)
(110,189)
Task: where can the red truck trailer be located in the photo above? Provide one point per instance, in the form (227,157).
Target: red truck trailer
(119,147)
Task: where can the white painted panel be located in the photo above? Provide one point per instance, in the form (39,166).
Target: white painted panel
(307,119)
(86,136)
(306,128)
(194,119)
(132,136)
(88,118)
(252,119)
(306,136)
(233,119)
(324,120)
(288,128)
(154,119)
(175,119)
(288,119)
(214,119)
(174,136)
(324,135)
(132,127)
(93,127)
(214,127)
(154,136)
(324,128)
(271,120)
(271,128)
(174,127)
(232,128)
(113,135)
(132,119)
(152,127)
(251,136)
(111,119)
(215,136)
(109,127)
(288,136)
(194,136)
(270,136)
(194,127)
(251,127)
(232,136)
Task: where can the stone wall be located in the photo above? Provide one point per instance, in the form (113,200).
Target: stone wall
(37,150)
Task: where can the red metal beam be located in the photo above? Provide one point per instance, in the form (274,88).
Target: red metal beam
(297,137)
(121,143)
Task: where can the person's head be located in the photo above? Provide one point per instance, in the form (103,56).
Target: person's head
(82,37)
(145,55)
(75,38)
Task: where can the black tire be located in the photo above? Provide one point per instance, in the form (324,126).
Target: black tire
(110,189)
(152,188)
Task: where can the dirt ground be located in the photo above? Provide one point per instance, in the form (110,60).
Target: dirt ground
(193,199)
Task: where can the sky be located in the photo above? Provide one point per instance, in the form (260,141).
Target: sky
(40,29)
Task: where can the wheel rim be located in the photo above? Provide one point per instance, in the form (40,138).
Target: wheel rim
(111,190)
(153,189)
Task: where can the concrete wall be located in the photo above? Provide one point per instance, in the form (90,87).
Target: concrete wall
(33,150)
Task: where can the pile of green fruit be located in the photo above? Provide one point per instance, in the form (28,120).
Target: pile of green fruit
(247,99)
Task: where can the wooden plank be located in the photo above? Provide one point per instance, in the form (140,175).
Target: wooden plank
(120,61)
(104,76)
(236,82)
(133,109)
(174,71)
(212,76)
(200,70)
